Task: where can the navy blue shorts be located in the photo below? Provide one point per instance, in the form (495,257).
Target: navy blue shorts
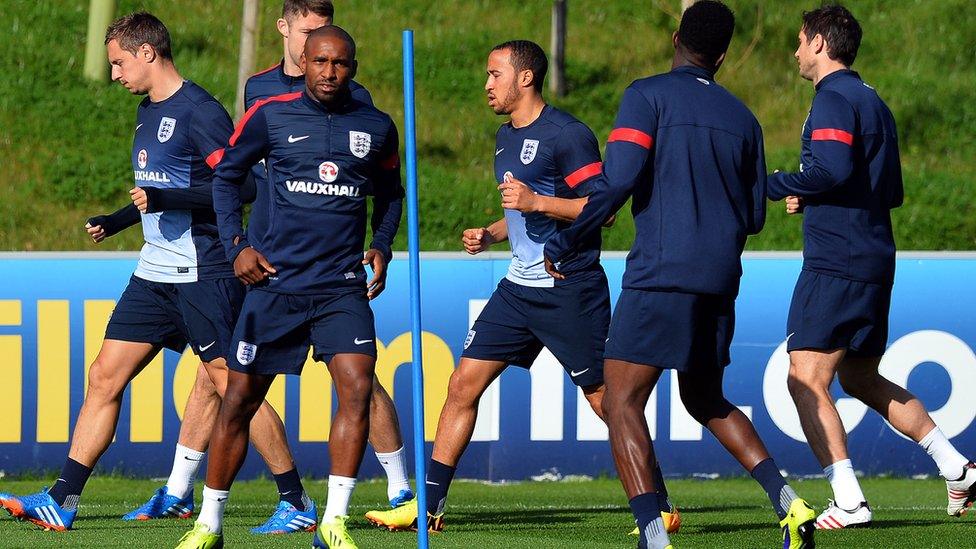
(674,330)
(570,320)
(829,313)
(274,332)
(171,315)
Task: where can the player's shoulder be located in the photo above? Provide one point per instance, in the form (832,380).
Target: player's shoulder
(196,95)
(368,112)
(269,74)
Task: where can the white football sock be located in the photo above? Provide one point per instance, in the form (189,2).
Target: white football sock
(949,461)
(337,500)
(212,510)
(847,491)
(186,462)
(396,472)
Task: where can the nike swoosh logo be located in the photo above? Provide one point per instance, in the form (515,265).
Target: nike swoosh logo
(433,483)
(205,347)
(188,458)
(499,151)
(221,499)
(791,335)
(574,374)
(358,341)
(139,126)
(293,139)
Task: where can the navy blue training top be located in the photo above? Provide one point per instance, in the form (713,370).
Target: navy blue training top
(691,154)
(309,219)
(555,155)
(849,179)
(177,143)
(273,81)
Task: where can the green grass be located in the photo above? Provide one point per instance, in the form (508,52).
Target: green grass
(715,513)
(64,143)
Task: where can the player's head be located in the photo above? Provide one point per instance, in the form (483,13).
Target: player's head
(705,33)
(137,44)
(329,63)
(829,34)
(515,68)
(300,17)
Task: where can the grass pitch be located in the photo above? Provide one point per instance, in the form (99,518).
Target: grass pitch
(715,513)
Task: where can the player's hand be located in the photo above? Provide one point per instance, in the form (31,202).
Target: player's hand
(794,205)
(517,195)
(551,269)
(377,262)
(139,199)
(251,267)
(96,232)
(476,240)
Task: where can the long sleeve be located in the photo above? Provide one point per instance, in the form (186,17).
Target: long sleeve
(628,156)
(833,125)
(759,184)
(388,196)
(117,221)
(578,158)
(246,146)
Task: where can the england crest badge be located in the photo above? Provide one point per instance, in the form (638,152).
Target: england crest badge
(529,148)
(359,143)
(166,128)
(246,352)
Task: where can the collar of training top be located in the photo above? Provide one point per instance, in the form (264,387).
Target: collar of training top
(696,71)
(345,105)
(835,75)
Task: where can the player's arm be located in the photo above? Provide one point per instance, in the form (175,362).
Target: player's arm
(628,157)
(387,210)
(756,178)
(833,124)
(248,144)
(516,195)
(101,227)
(479,239)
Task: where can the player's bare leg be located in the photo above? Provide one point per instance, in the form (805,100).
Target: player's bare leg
(811,373)
(628,386)
(117,363)
(267,432)
(387,443)
(594,396)
(200,412)
(460,412)
(860,378)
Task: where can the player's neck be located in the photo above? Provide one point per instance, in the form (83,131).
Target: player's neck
(529,109)
(826,69)
(289,67)
(165,84)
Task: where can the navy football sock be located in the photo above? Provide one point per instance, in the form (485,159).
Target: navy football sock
(67,489)
(662,490)
(290,488)
(439,477)
(647,514)
(780,493)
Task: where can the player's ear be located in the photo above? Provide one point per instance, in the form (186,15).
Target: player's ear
(353,67)
(720,60)
(818,43)
(301,63)
(282,27)
(674,39)
(147,53)
(526,78)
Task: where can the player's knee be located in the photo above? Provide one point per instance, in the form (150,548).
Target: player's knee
(461,390)
(857,386)
(802,386)
(104,383)
(618,402)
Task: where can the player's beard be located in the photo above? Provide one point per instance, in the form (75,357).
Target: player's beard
(507,105)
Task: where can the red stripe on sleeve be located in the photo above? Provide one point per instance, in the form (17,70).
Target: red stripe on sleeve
(392,162)
(254,108)
(631,135)
(214,158)
(583,174)
(831,134)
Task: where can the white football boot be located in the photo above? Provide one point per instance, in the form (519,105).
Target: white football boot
(962,492)
(833,517)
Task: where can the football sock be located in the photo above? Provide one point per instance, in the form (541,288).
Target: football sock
(186,463)
(661,489)
(290,488)
(847,490)
(780,494)
(949,461)
(439,477)
(212,510)
(647,514)
(337,500)
(67,489)
(396,472)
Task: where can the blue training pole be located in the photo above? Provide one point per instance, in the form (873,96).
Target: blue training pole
(413,242)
